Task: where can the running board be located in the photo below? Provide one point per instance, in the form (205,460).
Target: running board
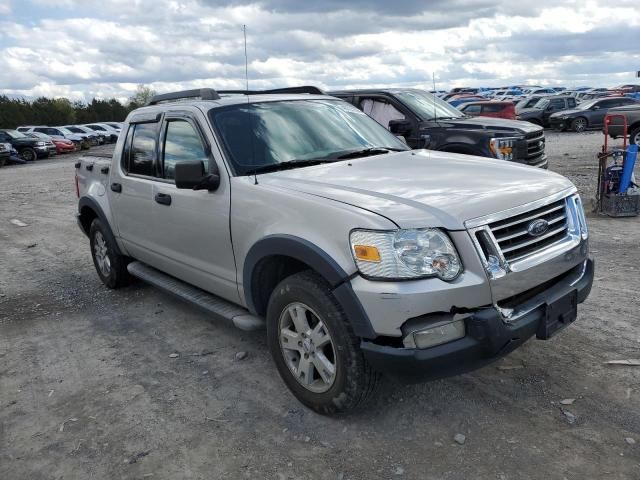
(239,316)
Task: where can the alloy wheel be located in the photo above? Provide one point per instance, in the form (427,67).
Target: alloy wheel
(307,347)
(101,253)
(580,124)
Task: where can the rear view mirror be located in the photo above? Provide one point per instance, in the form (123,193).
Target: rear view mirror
(192,175)
(400,127)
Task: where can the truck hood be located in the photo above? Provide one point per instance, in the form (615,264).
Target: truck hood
(423,188)
(490,124)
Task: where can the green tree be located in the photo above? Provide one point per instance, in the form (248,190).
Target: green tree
(142,96)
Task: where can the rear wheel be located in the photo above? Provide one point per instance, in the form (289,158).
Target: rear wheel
(634,136)
(28,154)
(314,348)
(579,124)
(110,265)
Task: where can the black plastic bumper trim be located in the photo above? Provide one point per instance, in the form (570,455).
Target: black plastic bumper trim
(488,339)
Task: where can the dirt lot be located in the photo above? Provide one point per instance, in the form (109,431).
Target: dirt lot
(88,390)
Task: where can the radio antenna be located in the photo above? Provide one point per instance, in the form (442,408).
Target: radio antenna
(246,62)
(246,78)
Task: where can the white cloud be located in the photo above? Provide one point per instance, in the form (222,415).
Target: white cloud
(86,48)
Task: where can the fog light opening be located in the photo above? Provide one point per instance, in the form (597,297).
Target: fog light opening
(436,334)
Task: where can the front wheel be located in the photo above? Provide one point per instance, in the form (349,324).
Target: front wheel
(313,345)
(28,154)
(579,124)
(634,136)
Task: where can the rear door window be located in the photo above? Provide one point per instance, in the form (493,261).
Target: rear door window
(472,109)
(492,108)
(143,149)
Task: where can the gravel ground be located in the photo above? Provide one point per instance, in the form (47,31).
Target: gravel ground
(88,388)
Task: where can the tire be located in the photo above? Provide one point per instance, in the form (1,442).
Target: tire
(325,340)
(28,154)
(634,136)
(579,124)
(110,265)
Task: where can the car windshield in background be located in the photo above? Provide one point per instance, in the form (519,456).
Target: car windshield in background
(542,103)
(15,134)
(257,136)
(427,106)
(65,130)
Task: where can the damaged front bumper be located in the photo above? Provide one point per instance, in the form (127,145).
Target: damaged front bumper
(490,334)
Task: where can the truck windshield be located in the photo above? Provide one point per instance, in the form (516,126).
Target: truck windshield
(426,106)
(295,132)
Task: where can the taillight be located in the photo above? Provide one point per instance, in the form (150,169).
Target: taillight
(77,186)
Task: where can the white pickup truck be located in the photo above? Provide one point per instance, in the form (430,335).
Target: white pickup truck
(294,209)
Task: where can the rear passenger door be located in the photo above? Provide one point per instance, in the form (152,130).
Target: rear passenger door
(131,190)
(191,227)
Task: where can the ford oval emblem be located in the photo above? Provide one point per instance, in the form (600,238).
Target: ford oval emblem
(538,227)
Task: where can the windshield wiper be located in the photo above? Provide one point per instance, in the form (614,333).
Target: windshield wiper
(274,167)
(368,151)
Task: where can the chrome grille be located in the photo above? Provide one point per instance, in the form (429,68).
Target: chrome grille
(512,234)
(533,148)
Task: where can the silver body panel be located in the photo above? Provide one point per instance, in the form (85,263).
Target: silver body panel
(203,238)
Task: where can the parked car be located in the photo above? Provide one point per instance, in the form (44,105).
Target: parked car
(5,153)
(427,122)
(359,256)
(28,148)
(95,138)
(632,114)
(489,108)
(60,145)
(108,131)
(545,107)
(589,114)
(51,146)
(471,98)
(80,140)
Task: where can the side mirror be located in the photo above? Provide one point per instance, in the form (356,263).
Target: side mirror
(595,107)
(400,127)
(192,175)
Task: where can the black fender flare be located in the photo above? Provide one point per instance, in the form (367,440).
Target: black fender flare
(97,209)
(321,262)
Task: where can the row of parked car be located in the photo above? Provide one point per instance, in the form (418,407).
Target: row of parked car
(29,143)
(562,110)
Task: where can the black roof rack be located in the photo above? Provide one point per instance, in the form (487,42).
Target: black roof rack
(202,93)
(302,89)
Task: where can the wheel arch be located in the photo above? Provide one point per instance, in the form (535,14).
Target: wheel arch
(276,257)
(88,210)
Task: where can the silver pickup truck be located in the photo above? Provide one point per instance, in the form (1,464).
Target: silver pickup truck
(362,257)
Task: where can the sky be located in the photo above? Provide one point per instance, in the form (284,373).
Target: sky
(81,49)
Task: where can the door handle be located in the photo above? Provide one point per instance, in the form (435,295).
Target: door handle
(116,187)
(163,198)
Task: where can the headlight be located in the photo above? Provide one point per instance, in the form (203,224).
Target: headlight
(40,144)
(503,148)
(405,254)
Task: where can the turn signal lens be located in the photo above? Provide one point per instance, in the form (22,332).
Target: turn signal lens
(366,253)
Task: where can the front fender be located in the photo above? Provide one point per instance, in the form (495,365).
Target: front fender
(318,260)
